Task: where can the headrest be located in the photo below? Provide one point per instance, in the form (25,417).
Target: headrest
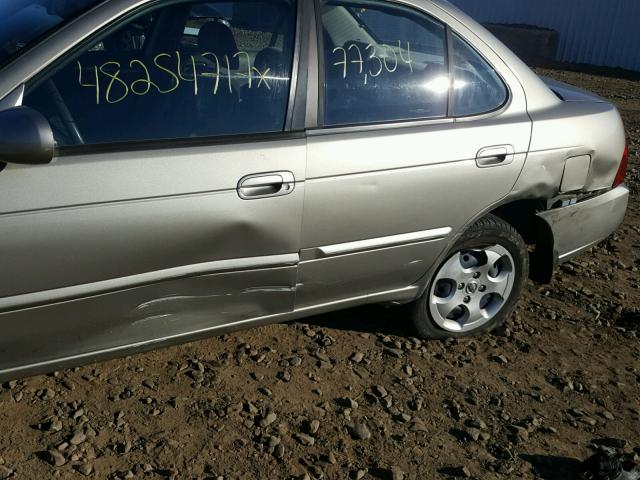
(269,57)
(216,37)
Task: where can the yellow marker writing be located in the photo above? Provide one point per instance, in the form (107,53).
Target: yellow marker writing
(359,61)
(374,56)
(395,58)
(166,70)
(226,59)
(96,85)
(195,73)
(216,75)
(343,62)
(262,77)
(248,58)
(147,80)
(408,59)
(114,78)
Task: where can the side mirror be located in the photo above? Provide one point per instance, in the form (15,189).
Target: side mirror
(25,137)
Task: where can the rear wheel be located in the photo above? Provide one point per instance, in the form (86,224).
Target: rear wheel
(477,286)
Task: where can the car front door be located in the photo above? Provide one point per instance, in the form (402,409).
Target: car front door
(173,205)
(418,134)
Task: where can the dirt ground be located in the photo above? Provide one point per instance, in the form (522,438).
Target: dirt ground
(353,395)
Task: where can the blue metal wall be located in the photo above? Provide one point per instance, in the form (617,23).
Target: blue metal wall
(598,32)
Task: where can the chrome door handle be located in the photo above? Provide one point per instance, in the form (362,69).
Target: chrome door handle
(494,156)
(264,185)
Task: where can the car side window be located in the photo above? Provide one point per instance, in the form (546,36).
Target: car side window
(382,62)
(187,69)
(477,87)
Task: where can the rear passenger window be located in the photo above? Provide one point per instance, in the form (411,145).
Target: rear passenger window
(382,62)
(477,87)
(188,69)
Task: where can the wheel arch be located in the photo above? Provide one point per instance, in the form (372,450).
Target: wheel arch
(521,215)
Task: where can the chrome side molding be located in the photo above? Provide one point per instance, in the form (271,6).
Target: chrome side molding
(374,243)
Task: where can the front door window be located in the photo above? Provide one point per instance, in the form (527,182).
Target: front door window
(190,69)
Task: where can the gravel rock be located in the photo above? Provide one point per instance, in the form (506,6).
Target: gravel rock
(462,472)
(278,451)
(380,391)
(360,431)
(418,426)
(305,439)
(313,427)
(502,359)
(611,442)
(85,469)
(77,438)
(357,357)
(397,473)
(268,419)
(55,458)
(5,472)
(348,402)
(472,434)
(393,352)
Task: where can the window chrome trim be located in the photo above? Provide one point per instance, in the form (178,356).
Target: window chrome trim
(161,144)
(374,243)
(313,85)
(320,63)
(372,127)
(295,65)
(450,68)
(300,105)
(14,99)
(105,286)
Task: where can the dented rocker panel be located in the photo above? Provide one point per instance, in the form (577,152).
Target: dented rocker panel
(112,321)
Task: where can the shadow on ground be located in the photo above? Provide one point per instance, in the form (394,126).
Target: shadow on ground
(368,319)
(549,467)
(629,319)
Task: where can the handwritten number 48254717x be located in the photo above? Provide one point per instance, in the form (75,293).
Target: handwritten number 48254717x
(115,89)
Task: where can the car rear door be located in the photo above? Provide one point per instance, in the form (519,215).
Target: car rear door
(417,134)
(174,203)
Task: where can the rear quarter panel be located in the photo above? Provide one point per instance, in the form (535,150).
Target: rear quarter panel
(568,130)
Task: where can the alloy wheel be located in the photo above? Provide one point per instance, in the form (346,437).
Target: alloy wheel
(471,287)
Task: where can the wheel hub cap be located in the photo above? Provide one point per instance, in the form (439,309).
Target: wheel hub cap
(471,287)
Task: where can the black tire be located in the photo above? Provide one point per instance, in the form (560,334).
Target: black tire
(489,230)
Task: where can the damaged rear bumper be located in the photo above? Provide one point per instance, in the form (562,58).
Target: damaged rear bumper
(580,226)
